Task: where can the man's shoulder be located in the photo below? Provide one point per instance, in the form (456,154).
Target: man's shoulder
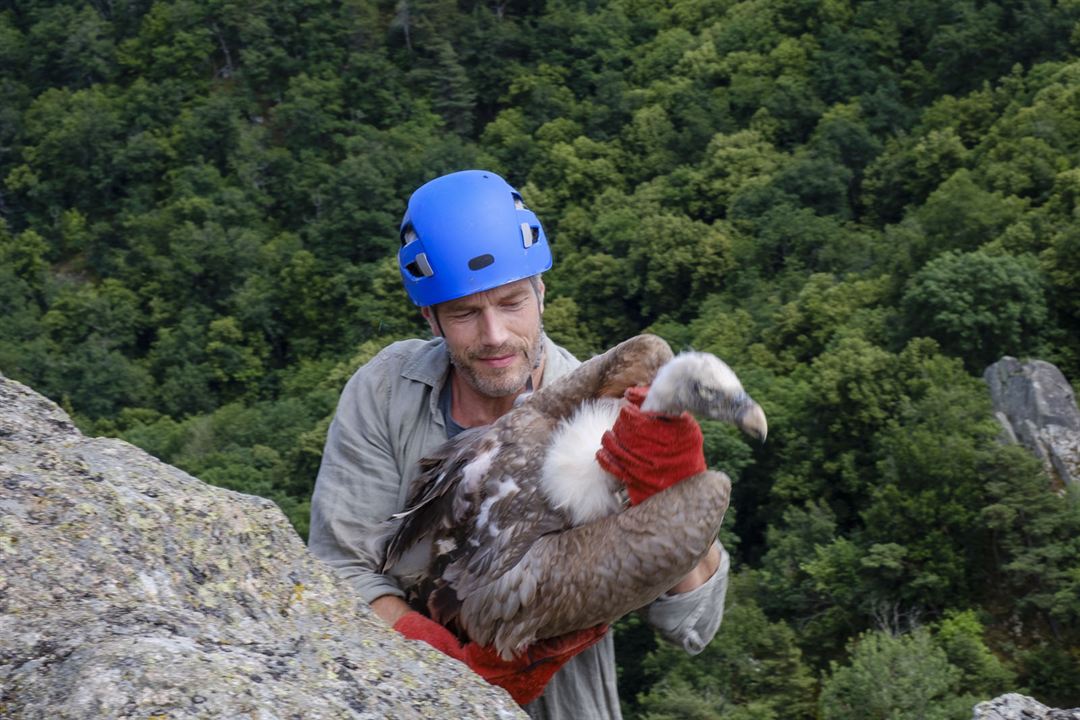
(560,361)
(401,351)
(414,359)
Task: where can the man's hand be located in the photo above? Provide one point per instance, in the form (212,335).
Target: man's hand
(390,608)
(524,677)
(651,451)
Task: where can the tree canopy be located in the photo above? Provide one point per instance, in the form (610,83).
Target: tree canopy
(858,204)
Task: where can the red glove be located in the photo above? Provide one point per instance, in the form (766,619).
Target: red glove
(524,677)
(650,451)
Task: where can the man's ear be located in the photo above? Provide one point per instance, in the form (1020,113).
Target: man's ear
(540,293)
(429,315)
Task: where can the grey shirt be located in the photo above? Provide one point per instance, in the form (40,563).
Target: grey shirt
(388,417)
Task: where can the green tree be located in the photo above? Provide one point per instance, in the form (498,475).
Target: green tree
(893,677)
(23,279)
(752,670)
(910,169)
(977,306)
(962,636)
(824,310)
(961,215)
(70,46)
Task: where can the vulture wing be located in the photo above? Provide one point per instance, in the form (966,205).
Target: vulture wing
(600,571)
(483,552)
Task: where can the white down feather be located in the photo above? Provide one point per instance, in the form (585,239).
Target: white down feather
(572,480)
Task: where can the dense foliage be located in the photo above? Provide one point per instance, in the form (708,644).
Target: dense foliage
(858,204)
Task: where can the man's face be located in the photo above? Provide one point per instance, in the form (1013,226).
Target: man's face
(494,337)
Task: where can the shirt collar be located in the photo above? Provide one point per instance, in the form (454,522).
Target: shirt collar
(429,365)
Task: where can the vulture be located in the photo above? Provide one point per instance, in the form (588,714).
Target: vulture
(513,533)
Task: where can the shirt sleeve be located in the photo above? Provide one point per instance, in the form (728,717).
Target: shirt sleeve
(358,486)
(691,619)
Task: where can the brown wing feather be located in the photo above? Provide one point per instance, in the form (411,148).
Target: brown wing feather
(432,495)
(598,572)
(631,362)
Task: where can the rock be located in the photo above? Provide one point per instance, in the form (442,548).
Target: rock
(131,589)
(1036,406)
(1014,706)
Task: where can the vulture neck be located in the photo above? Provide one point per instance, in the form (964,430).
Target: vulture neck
(471,408)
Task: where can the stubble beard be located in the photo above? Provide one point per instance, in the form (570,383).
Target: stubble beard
(500,382)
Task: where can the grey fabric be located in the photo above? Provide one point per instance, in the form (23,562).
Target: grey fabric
(691,619)
(446,401)
(389,417)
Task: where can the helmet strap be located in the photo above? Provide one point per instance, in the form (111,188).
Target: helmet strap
(438,324)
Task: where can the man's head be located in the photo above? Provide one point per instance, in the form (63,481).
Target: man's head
(495,337)
(471,256)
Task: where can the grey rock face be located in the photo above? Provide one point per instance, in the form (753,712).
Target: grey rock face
(1020,707)
(1036,407)
(130,589)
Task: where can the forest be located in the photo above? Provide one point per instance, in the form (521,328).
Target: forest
(858,204)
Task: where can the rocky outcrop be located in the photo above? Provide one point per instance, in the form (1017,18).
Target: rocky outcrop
(1020,707)
(1036,406)
(131,589)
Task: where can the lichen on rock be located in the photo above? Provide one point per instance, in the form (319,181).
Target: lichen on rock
(129,588)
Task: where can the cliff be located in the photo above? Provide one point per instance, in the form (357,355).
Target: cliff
(1036,407)
(131,589)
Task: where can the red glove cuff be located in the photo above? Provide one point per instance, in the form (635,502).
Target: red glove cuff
(651,451)
(524,677)
(415,626)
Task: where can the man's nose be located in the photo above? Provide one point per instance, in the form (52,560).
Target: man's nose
(493,327)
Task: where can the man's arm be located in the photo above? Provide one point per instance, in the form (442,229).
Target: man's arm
(357,488)
(691,618)
(700,574)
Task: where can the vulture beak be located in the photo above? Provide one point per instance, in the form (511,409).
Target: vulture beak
(751,420)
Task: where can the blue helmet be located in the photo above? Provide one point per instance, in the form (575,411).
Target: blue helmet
(467,232)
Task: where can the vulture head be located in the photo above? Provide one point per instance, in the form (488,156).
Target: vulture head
(514,533)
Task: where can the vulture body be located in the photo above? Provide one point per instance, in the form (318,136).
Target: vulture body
(513,532)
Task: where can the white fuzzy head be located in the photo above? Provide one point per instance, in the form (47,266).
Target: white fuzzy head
(704,385)
(693,381)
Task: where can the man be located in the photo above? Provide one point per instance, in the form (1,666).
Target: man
(471,258)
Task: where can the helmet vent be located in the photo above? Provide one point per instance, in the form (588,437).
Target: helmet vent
(518,203)
(420,267)
(408,235)
(529,234)
(481,261)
